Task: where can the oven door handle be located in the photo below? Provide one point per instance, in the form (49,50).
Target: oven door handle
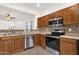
(53,37)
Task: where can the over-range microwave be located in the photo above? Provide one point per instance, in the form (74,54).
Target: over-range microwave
(56,21)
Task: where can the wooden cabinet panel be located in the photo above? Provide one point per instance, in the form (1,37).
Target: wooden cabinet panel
(70,15)
(36,40)
(42,41)
(11,44)
(6,46)
(65,18)
(39,40)
(51,16)
(73,14)
(39,22)
(1,47)
(19,43)
(67,47)
(42,21)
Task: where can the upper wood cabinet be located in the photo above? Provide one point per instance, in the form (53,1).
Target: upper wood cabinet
(70,15)
(73,14)
(42,21)
(58,13)
(68,46)
(51,16)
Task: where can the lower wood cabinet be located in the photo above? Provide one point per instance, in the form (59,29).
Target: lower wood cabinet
(39,40)
(42,41)
(6,46)
(68,46)
(36,40)
(19,43)
(11,45)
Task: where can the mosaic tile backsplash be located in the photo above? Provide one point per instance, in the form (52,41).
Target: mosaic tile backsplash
(71,29)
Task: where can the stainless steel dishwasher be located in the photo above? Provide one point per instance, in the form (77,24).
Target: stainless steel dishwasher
(29,41)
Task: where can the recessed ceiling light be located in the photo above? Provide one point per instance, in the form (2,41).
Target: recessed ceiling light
(38,5)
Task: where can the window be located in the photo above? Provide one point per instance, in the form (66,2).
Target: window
(29,25)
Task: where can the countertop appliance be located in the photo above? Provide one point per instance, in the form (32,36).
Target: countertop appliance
(29,41)
(58,21)
(53,42)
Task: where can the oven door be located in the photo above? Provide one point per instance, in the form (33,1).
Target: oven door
(53,43)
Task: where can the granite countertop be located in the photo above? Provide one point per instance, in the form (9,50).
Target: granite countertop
(7,35)
(71,37)
(24,33)
(37,32)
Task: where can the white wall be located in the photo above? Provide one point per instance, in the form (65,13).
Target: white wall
(19,22)
(4,25)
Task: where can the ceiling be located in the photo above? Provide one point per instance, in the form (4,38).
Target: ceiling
(43,6)
(33,9)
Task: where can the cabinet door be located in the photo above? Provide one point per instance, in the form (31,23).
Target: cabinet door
(51,16)
(1,47)
(73,14)
(7,46)
(66,16)
(65,20)
(42,41)
(42,21)
(70,15)
(67,49)
(19,43)
(36,40)
(45,20)
(39,22)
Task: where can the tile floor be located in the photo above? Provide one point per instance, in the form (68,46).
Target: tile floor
(34,51)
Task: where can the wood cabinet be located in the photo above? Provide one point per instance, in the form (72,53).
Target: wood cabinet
(42,21)
(42,41)
(11,44)
(36,40)
(39,40)
(19,43)
(70,15)
(68,46)
(6,45)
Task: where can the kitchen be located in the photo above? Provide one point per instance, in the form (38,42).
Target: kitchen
(55,32)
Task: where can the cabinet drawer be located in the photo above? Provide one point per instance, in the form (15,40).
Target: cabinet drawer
(72,41)
(7,38)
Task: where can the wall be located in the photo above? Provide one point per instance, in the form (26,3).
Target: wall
(8,25)
(71,29)
(21,18)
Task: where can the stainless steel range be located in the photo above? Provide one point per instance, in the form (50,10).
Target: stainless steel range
(53,41)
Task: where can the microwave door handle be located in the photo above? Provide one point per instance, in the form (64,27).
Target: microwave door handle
(57,22)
